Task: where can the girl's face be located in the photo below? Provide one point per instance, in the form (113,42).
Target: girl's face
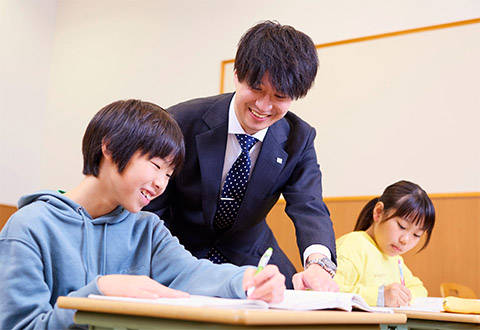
(395,236)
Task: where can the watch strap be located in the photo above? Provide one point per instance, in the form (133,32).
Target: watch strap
(325,263)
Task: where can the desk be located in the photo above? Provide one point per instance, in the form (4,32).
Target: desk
(440,321)
(103,314)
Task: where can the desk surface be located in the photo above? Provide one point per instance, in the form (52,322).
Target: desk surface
(229,316)
(441,316)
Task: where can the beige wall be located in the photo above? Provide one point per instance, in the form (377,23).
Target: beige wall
(68,58)
(27,29)
(396,106)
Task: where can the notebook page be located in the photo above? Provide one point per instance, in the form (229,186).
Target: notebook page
(425,304)
(193,301)
(312,300)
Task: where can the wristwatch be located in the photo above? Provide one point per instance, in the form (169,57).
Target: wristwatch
(325,263)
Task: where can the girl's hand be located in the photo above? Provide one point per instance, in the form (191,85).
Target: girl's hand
(396,295)
(269,284)
(136,286)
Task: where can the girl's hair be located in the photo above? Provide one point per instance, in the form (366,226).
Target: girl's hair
(405,200)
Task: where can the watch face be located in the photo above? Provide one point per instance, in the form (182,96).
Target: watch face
(329,263)
(326,264)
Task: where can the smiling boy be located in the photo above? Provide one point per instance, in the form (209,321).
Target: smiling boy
(94,239)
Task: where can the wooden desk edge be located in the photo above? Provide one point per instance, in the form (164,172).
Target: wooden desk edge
(441,316)
(229,316)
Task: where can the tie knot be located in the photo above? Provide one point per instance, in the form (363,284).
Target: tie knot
(246,141)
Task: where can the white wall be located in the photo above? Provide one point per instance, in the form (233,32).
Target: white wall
(402,107)
(165,52)
(27,28)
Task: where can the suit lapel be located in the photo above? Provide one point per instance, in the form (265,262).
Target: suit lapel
(211,146)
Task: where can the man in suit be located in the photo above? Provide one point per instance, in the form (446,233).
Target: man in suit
(274,65)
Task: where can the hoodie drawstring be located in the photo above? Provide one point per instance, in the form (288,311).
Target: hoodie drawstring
(90,274)
(104,261)
(86,246)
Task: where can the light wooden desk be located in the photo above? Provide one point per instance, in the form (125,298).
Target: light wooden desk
(440,320)
(103,314)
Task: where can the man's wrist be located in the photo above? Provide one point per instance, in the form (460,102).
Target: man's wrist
(316,251)
(323,262)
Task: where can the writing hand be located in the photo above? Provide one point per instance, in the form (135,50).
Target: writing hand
(396,295)
(269,284)
(315,278)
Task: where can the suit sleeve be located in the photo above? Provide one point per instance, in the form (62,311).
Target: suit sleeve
(304,202)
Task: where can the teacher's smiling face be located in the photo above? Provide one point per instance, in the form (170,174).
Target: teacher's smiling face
(258,107)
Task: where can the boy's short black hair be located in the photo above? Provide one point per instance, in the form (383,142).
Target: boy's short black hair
(289,56)
(128,126)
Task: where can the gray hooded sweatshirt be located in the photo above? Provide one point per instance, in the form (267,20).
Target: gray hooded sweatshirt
(52,247)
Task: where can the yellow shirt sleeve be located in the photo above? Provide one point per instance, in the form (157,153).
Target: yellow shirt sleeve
(414,284)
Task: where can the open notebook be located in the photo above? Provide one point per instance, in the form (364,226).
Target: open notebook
(447,304)
(294,300)
(424,304)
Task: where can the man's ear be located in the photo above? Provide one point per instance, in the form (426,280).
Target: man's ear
(378,211)
(235,78)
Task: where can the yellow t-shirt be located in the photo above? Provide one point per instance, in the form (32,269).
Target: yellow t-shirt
(363,268)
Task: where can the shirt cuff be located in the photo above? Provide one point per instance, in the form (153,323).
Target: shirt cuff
(316,248)
(381,296)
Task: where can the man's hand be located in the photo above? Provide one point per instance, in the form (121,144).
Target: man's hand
(396,295)
(269,284)
(136,286)
(315,278)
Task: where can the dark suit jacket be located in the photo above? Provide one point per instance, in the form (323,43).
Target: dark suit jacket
(188,206)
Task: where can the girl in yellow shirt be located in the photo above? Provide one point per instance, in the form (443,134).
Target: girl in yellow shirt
(369,259)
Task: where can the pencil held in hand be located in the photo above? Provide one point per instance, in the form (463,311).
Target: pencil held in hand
(402,279)
(261,265)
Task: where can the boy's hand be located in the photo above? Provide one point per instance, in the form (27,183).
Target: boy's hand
(136,286)
(315,278)
(396,295)
(269,284)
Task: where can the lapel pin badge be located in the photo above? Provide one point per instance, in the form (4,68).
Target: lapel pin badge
(279,160)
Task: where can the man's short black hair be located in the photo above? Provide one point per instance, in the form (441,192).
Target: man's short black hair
(128,126)
(289,56)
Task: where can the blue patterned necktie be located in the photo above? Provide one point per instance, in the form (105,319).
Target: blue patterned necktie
(233,191)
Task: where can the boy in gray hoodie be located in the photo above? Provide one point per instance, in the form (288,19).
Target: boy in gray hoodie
(95,240)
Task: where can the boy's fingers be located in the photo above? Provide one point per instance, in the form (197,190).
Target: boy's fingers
(269,285)
(248,278)
(165,292)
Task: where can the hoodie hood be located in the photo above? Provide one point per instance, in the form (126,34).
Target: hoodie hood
(67,210)
(64,205)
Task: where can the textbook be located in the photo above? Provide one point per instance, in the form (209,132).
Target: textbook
(293,300)
(461,305)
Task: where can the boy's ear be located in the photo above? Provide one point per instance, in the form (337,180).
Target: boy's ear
(378,212)
(105,152)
